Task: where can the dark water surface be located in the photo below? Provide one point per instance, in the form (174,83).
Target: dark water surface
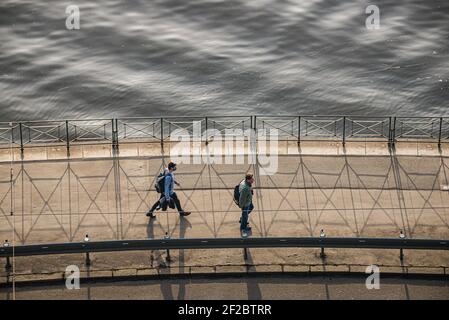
(199,57)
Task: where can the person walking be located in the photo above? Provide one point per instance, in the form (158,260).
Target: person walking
(168,195)
(246,202)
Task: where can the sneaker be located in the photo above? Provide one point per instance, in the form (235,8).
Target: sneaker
(150,214)
(185,213)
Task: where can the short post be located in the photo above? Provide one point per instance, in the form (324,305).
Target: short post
(401,251)
(86,240)
(167,237)
(322,235)
(8,262)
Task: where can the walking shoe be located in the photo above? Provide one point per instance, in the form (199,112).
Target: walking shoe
(246,232)
(150,214)
(185,213)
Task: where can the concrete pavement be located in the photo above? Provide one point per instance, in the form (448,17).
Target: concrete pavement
(354,194)
(241,288)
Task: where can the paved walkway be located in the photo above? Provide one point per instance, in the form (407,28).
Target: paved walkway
(352,195)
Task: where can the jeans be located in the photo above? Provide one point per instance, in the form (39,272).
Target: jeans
(245,213)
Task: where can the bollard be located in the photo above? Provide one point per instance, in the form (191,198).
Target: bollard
(322,254)
(167,237)
(86,240)
(401,251)
(8,262)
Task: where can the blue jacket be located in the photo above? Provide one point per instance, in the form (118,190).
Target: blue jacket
(169,185)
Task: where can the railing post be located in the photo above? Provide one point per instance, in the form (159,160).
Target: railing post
(21,140)
(389,133)
(344,131)
(113,136)
(299,129)
(162,132)
(392,132)
(207,142)
(440,133)
(116,135)
(67,133)
(393,137)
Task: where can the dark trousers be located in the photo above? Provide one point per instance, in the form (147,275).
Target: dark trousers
(156,204)
(174,203)
(245,213)
(174,198)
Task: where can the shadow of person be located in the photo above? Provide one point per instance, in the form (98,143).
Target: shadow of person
(184,224)
(166,285)
(157,261)
(150,235)
(253,288)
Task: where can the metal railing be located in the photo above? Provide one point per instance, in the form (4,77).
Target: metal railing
(225,243)
(69,133)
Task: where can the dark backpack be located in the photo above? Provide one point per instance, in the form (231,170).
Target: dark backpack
(160,183)
(237,194)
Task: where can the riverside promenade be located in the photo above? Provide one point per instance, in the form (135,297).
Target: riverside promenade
(351,177)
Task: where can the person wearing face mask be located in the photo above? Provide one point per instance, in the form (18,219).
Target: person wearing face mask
(166,185)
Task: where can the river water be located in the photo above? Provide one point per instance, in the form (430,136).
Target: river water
(199,57)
